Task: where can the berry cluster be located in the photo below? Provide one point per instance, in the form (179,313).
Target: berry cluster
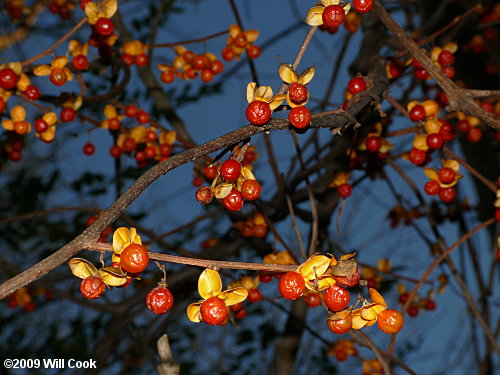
(254,226)
(187,65)
(428,303)
(28,297)
(232,184)
(442,181)
(240,41)
(342,349)
(134,52)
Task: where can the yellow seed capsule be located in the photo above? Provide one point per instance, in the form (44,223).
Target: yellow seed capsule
(431,108)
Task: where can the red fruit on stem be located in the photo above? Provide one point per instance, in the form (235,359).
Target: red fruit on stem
(88,148)
(230,170)
(254,295)
(92,287)
(159,300)
(373,143)
(299,117)
(340,326)
(104,26)
(417,113)
(227,54)
(432,187)
(447,195)
(67,114)
(210,172)
(390,321)
(204,195)
(355,85)
(333,15)
(213,311)
(344,190)
(297,93)
(141,59)
(234,201)
(41,125)
(435,141)
(348,281)
(134,258)
(362,6)
(32,92)
(446,175)
(207,75)
(312,300)
(337,298)
(254,51)
(474,134)
(446,58)
(292,285)
(8,79)
(258,112)
(250,189)
(216,67)
(80,62)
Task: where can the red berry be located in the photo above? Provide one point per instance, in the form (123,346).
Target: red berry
(404,297)
(159,300)
(373,143)
(447,195)
(417,113)
(8,79)
(356,85)
(292,285)
(127,59)
(134,258)
(413,310)
(312,300)
(297,93)
(216,67)
(422,74)
(142,117)
(227,54)
(265,278)
(254,295)
(299,117)
(210,172)
(41,125)
(131,110)
(253,51)
(240,40)
(258,112)
(88,148)
(341,355)
(417,156)
(474,134)
(142,59)
(80,62)
(234,201)
(213,311)
(188,56)
(432,187)
(58,76)
(435,141)
(167,76)
(463,126)
(165,149)
(241,313)
(449,71)
(337,298)
(487,107)
(390,321)
(344,190)
(129,144)
(67,114)
(446,130)
(104,26)
(446,58)
(197,181)
(204,195)
(340,326)
(150,152)
(446,175)
(250,190)
(441,99)
(92,287)
(207,75)
(429,304)
(32,92)
(333,15)
(83,3)
(15,155)
(200,62)
(362,6)
(140,158)
(348,281)
(230,170)
(497,214)
(115,151)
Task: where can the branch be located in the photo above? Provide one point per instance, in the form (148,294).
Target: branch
(459,99)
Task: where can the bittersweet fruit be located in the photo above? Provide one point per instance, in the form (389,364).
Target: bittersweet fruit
(390,321)
(134,258)
(92,287)
(213,311)
(159,300)
(299,117)
(292,285)
(230,170)
(258,112)
(337,298)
